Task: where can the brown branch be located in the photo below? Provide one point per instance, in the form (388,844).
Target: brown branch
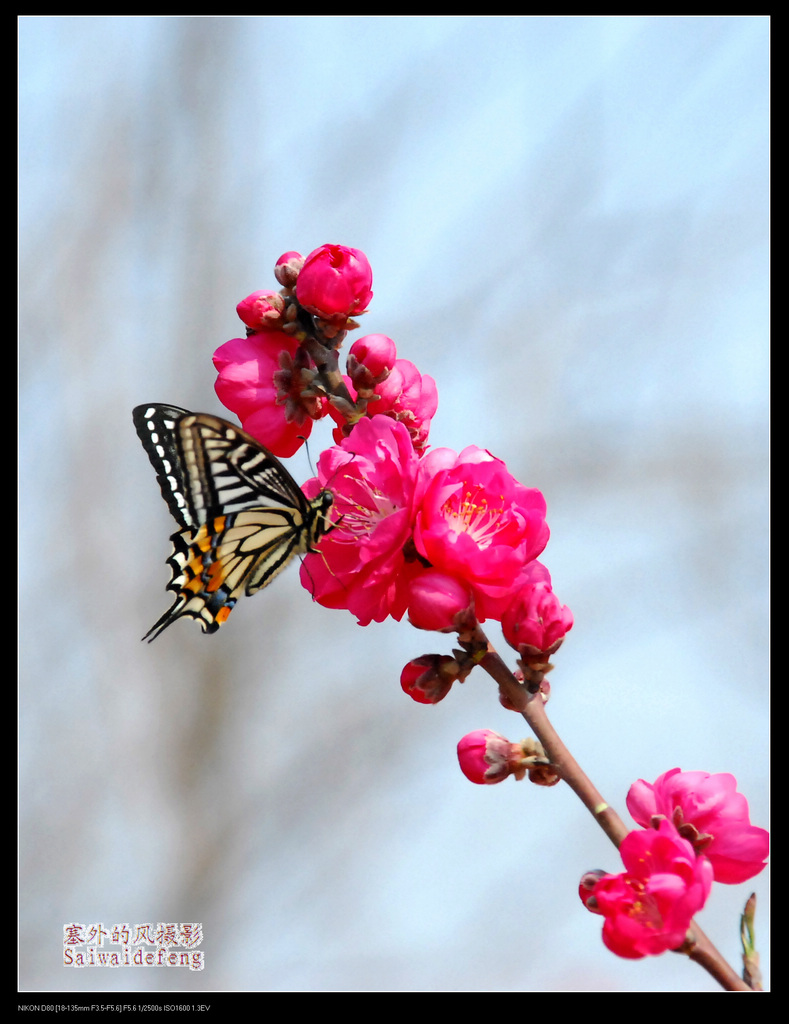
(531,705)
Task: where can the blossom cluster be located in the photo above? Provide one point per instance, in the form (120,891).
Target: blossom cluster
(695,830)
(448,538)
(440,535)
(451,539)
(268,377)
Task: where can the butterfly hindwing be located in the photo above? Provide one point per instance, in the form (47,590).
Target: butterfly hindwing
(242,516)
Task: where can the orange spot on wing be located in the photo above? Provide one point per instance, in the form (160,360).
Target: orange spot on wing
(215,577)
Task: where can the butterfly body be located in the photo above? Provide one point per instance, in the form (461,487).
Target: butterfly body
(242,516)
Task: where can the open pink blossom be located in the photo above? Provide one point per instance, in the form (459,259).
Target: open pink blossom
(410,397)
(334,282)
(648,908)
(476,522)
(258,380)
(707,810)
(368,561)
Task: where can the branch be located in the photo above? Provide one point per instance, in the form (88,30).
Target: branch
(516,696)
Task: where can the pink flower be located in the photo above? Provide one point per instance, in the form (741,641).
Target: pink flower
(259,380)
(709,812)
(535,619)
(475,522)
(438,535)
(648,908)
(334,282)
(411,397)
(367,563)
(428,679)
(486,757)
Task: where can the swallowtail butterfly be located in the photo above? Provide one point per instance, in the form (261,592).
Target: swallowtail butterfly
(242,516)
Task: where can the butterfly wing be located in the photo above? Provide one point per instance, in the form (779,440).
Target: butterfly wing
(242,516)
(156,428)
(205,465)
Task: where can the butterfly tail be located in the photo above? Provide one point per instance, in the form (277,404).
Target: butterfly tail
(197,582)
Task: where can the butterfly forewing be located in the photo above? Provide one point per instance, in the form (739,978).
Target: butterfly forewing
(156,428)
(226,469)
(243,516)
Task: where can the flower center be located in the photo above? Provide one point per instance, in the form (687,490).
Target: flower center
(361,515)
(470,512)
(643,909)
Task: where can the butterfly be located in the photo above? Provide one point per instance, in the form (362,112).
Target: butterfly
(242,516)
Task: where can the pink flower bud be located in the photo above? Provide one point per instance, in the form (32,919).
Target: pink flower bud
(261,310)
(375,351)
(429,679)
(438,601)
(334,282)
(287,268)
(586,889)
(535,621)
(486,757)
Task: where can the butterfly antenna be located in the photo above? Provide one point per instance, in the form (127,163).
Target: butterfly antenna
(309,456)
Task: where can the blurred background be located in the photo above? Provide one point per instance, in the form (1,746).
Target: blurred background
(567,220)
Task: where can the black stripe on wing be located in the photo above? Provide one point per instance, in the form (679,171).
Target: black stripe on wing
(156,427)
(226,469)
